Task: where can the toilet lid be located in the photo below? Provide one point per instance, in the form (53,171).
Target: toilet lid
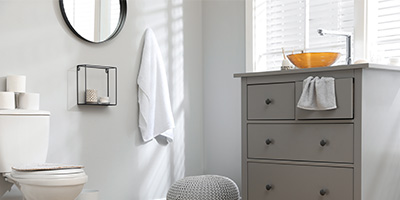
(46,167)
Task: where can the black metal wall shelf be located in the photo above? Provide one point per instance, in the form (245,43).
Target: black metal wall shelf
(95,83)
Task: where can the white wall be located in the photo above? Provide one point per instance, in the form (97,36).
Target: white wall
(35,41)
(224,55)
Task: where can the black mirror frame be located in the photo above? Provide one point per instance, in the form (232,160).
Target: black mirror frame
(121,22)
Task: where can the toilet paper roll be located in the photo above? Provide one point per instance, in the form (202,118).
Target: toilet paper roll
(7,100)
(29,101)
(16,83)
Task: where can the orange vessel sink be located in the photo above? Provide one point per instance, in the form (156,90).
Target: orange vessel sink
(311,60)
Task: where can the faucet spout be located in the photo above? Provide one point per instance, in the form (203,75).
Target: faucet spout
(323,32)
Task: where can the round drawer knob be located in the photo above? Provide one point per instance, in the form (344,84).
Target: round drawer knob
(268,101)
(268,187)
(323,143)
(268,141)
(323,192)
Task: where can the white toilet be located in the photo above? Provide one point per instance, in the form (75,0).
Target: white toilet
(24,137)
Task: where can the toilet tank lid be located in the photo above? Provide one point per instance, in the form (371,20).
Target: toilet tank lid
(25,112)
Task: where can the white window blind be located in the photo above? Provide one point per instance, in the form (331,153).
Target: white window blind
(388,28)
(293,24)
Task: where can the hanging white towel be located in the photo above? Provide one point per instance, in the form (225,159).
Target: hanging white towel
(155,113)
(318,94)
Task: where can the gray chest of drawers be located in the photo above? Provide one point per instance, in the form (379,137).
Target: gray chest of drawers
(350,153)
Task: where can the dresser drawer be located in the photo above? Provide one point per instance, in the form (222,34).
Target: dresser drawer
(293,182)
(344,102)
(307,142)
(270,101)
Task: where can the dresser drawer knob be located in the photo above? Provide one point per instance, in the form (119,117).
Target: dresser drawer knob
(323,192)
(323,143)
(268,101)
(268,187)
(268,141)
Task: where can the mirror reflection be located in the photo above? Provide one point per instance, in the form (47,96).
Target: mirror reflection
(93,20)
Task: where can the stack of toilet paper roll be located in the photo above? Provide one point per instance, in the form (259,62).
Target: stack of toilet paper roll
(16,95)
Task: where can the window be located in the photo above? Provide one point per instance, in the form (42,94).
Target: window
(385,30)
(293,24)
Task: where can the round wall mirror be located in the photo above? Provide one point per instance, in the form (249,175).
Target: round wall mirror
(94,21)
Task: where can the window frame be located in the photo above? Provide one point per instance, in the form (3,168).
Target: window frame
(360,37)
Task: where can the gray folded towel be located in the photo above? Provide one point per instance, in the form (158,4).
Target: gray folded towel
(318,94)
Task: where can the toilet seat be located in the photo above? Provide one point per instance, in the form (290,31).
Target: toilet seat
(50,174)
(51,182)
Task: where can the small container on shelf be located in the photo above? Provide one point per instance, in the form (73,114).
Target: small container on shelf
(104,100)
(96,85)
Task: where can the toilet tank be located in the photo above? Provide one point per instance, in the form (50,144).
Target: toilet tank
(24,137)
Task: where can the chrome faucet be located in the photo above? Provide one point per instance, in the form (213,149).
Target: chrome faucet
(323,32)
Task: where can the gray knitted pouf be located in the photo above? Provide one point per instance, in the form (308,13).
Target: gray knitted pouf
(206,187)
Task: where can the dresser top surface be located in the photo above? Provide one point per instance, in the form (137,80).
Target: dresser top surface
(319,69)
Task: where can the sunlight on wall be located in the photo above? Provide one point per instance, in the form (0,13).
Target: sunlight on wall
(177,78)
(166,164)
(380,134)
(177,74)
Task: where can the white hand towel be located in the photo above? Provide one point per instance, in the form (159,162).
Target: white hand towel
(318,94)
(155,113)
